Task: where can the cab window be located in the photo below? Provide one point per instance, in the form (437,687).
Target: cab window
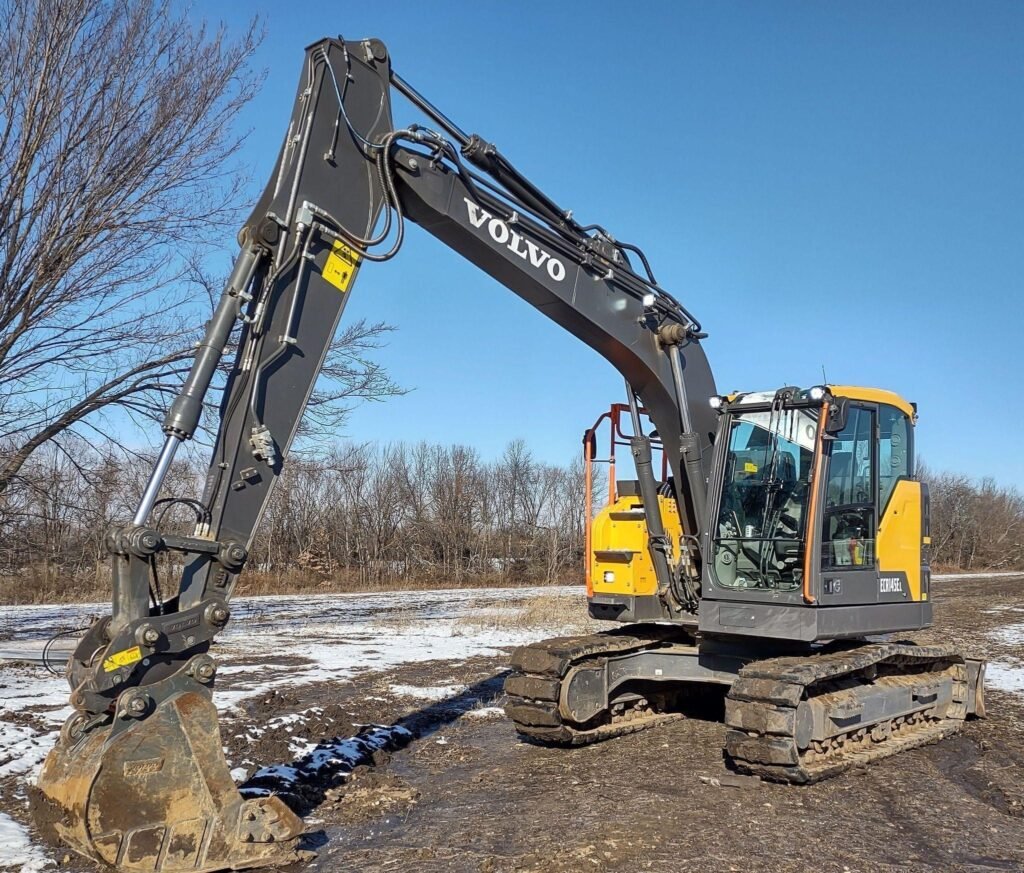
(849,522)
(762,518)
(895,448)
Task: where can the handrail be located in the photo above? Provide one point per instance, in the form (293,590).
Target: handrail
(617,437)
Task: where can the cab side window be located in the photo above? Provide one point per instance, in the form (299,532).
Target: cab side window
(849,522)
(895,449)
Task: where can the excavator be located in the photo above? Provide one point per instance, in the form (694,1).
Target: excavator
(771,554)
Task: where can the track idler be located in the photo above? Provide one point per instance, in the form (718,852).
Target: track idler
(151,791)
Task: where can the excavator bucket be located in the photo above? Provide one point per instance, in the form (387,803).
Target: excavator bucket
(155,794)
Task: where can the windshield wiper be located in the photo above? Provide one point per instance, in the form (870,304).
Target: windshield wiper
(772,484)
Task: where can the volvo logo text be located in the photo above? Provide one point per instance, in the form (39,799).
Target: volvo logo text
(503,235)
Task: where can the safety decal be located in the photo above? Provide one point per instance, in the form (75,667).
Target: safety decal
(749,467)
(124,658)
(341,266)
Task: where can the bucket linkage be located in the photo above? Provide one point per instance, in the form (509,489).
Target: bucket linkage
(138,778)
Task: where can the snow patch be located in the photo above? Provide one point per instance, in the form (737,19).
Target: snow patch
(333,760)
(1010,635)
(338,652)
(22,749)
(487,712)
(16,849)
(32,688)
(427,692)
(1004,677)
(286,723)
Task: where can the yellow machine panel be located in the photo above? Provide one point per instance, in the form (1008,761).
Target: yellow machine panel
(874,395)
(900,536)
(620,560)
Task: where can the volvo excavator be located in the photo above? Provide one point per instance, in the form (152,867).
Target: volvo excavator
(773,552)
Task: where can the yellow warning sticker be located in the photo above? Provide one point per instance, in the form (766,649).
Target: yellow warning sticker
(124,658)
(749,467)
(341,266)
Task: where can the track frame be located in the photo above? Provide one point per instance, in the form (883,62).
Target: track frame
(799,717)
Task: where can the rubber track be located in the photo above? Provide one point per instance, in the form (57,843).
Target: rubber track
(534,688)
(761,710)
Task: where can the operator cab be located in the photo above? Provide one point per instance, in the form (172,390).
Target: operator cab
(813,503)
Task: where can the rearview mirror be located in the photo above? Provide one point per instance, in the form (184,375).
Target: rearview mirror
(838,411)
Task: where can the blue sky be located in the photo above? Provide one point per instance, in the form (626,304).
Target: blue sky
(822,184)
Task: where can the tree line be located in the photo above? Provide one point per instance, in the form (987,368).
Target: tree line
(355,516)
(975,524)
(362,516)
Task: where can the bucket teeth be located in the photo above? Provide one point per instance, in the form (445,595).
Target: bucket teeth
(155,794)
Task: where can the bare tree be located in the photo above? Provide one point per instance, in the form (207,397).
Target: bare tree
(362,515)
(116,146)
(350,375)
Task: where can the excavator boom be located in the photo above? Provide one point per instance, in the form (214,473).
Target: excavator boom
(138,778)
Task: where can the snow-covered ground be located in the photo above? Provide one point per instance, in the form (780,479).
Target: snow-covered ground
(286,641)
(312,638)
(16,849)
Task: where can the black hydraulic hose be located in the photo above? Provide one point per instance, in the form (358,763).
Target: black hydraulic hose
(558,236)
(508,183)
(643,259)
(516,185)
(340,94)
(520,188)
(49,644)
(421,102)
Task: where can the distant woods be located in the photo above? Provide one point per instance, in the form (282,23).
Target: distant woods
(975,525)
(359,517)
(352,518)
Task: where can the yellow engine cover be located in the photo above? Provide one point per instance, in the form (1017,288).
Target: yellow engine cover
(620,562)
(900,537)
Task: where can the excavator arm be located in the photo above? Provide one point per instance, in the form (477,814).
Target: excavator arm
(138,777)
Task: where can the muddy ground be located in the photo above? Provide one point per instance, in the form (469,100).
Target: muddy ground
(467,795)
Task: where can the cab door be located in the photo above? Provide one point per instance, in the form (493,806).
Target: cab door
(903,569)
(849,532)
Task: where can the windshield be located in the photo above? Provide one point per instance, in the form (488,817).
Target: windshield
(761,518)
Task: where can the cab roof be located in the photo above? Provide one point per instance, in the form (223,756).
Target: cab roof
(852,392)
(874,395)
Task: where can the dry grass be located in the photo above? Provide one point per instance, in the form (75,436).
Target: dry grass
(36,586)
(299,582)
(562,613)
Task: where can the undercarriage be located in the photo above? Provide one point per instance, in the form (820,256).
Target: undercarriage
(795,718)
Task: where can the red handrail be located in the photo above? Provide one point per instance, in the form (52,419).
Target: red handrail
(614,416)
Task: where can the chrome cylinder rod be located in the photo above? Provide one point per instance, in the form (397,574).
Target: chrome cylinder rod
(156,479)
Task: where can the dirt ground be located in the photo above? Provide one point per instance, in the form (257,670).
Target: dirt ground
(467,795)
